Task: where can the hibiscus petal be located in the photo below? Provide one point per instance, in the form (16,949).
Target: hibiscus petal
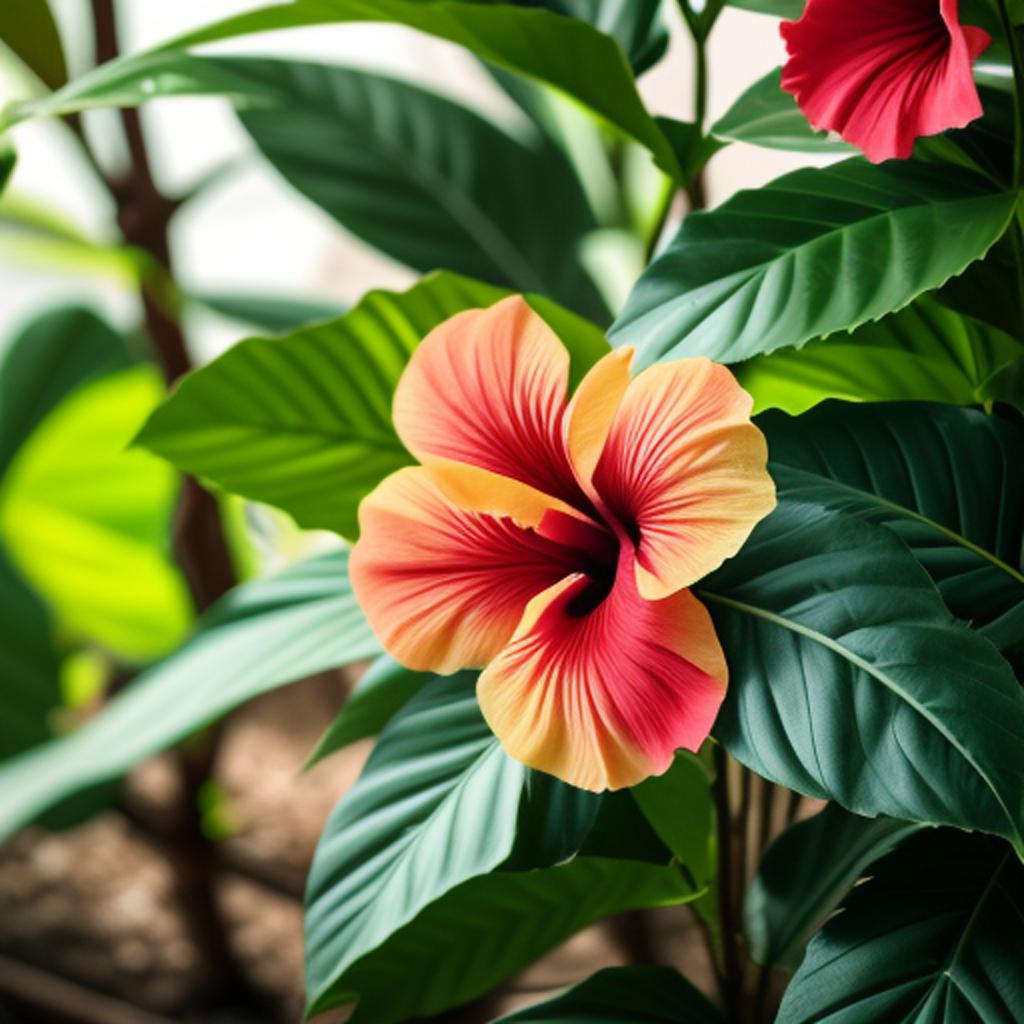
(684,473)
(441,587)
(603,698)
(883,73)
(488,388)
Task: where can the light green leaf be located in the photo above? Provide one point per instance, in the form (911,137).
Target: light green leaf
(778,8)
(261,635)
(934,936)
(423,179)
(805,256)
(29,665)
(925,352)
(804,876)
(304,422)
(383,690)
(850,681)
(624,995)
(678,806)
(87,522)
(563,52)
(946,481)
(28,30)
(767,116)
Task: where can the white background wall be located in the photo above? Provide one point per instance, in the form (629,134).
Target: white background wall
(252,232)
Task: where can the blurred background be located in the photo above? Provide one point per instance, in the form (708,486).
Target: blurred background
(93,926)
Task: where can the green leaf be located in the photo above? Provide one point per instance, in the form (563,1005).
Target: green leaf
(8,158)
(28,30)
(767,116)
(304,422)
(934,936)
(52,356)
(490,927)
(638,26)
(384,689)
(29,665)
(268,313)
(259,636)
(624,995)
(423,179)
(987,290)
(925,352)
(778,8)
(87,522)
(563,52)
(678,806)
(808,255)
(946,480)
(850,681)
(1005,385)
(804,876)
(437,804)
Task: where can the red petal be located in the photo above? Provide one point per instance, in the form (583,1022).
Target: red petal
(882,73)
(602,698)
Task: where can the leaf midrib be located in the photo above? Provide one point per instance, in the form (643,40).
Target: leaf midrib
(865,666)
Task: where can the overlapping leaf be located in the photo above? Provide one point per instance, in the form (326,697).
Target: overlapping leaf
(261,635)
(808,255)
(934,936)
(946,480)
(850,680)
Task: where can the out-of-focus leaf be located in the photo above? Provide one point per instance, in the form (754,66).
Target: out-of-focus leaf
(678,806)
(87,522)
(804,876)
(563,52)
(624,995)
(303,422)
(268,312)
(384,689)
(28,30)
(765,115)
(933,936)
(925,352)
(798,259)
(778,8)
(29,665)
(423,179)
(850,680)
(946,480)
(52,356)
(8,158)
(261,635)
(439,804)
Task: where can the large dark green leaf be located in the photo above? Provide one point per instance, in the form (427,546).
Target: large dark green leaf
(28,30)
(850,681)
(563,52)
(624,995)
(304,421)
(810,254)
(947,481)
(767,116)
(925,352)
(439,803)
(934,936)
(490,927)
(29,665)
(52,356)
(423,179)
(261,635)
(804,876)
(8,158)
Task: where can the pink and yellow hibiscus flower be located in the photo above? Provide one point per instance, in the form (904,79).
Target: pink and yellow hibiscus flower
(551,542)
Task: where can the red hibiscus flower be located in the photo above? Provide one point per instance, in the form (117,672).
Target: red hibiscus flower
(882,73)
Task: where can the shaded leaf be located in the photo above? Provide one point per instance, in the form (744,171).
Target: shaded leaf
(28,30)
(269,313)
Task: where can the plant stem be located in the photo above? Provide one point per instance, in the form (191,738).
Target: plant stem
(728,912)
(144,215)
(1018,86)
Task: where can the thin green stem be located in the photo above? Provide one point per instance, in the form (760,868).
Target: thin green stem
(1018,85)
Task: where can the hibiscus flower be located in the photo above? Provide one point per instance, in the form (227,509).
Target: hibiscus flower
(551,542)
